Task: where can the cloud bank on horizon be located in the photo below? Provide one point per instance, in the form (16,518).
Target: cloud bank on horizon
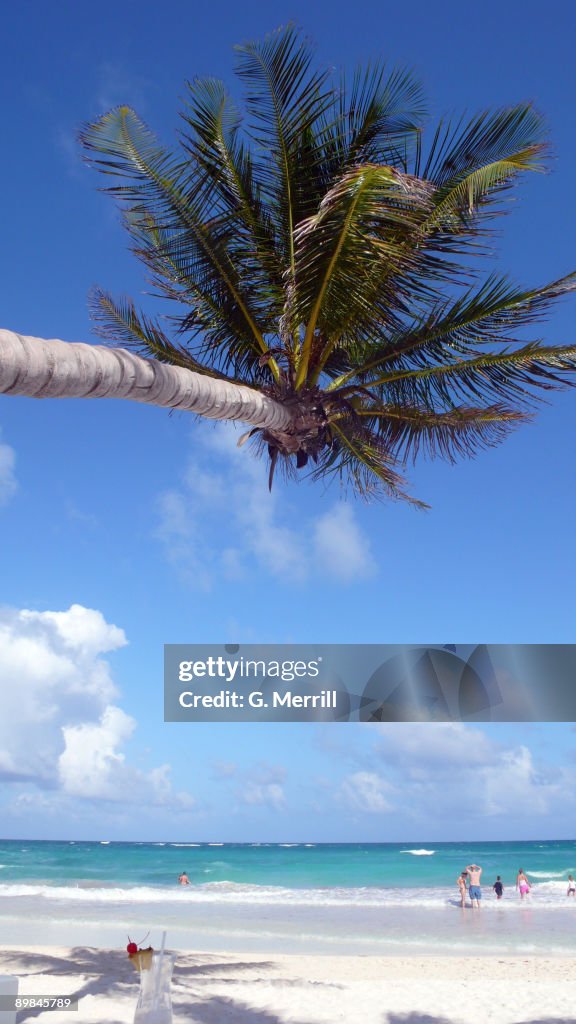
(66,750)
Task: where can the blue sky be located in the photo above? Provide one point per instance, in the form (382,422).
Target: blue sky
(124,528)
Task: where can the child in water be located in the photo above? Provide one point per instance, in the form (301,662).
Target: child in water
(498,887)
(461,883)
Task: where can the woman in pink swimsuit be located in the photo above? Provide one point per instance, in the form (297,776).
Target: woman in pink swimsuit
(522,884)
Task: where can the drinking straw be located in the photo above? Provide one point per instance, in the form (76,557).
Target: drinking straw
(158,969)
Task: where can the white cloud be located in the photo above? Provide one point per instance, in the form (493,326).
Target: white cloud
(60,729)
(8,484)
(261,527)
(28,804)
(278,548)
(91,763)
(53,674)
(367,792)
(77,515)
(181,538)
(448,765)
(438,746)
(81,630)
(342,550)
(517,784)
(176,523)
(259,785)
(270,794)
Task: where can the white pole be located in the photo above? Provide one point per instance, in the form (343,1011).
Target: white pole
(158,970)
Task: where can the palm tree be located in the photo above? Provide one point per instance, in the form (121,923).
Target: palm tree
(319,266)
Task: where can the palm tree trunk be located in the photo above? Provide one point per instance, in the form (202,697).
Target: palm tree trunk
(63,369)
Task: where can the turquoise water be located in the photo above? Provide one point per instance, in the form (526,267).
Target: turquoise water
(361,898)
(289,865)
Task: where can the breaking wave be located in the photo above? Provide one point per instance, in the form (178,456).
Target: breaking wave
(547,894)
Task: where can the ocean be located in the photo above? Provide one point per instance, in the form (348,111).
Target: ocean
(388,898)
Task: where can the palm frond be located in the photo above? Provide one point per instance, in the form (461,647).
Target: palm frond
(357,240)
(171,196)
(462,431)
(380,118)
(209,317)
(482,316)
(474,162)
(212,139)
(512,374)
(360,459)
(485,138)
(284,98)
(119,322)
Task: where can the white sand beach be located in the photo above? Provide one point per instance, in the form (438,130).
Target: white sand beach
(293,989)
